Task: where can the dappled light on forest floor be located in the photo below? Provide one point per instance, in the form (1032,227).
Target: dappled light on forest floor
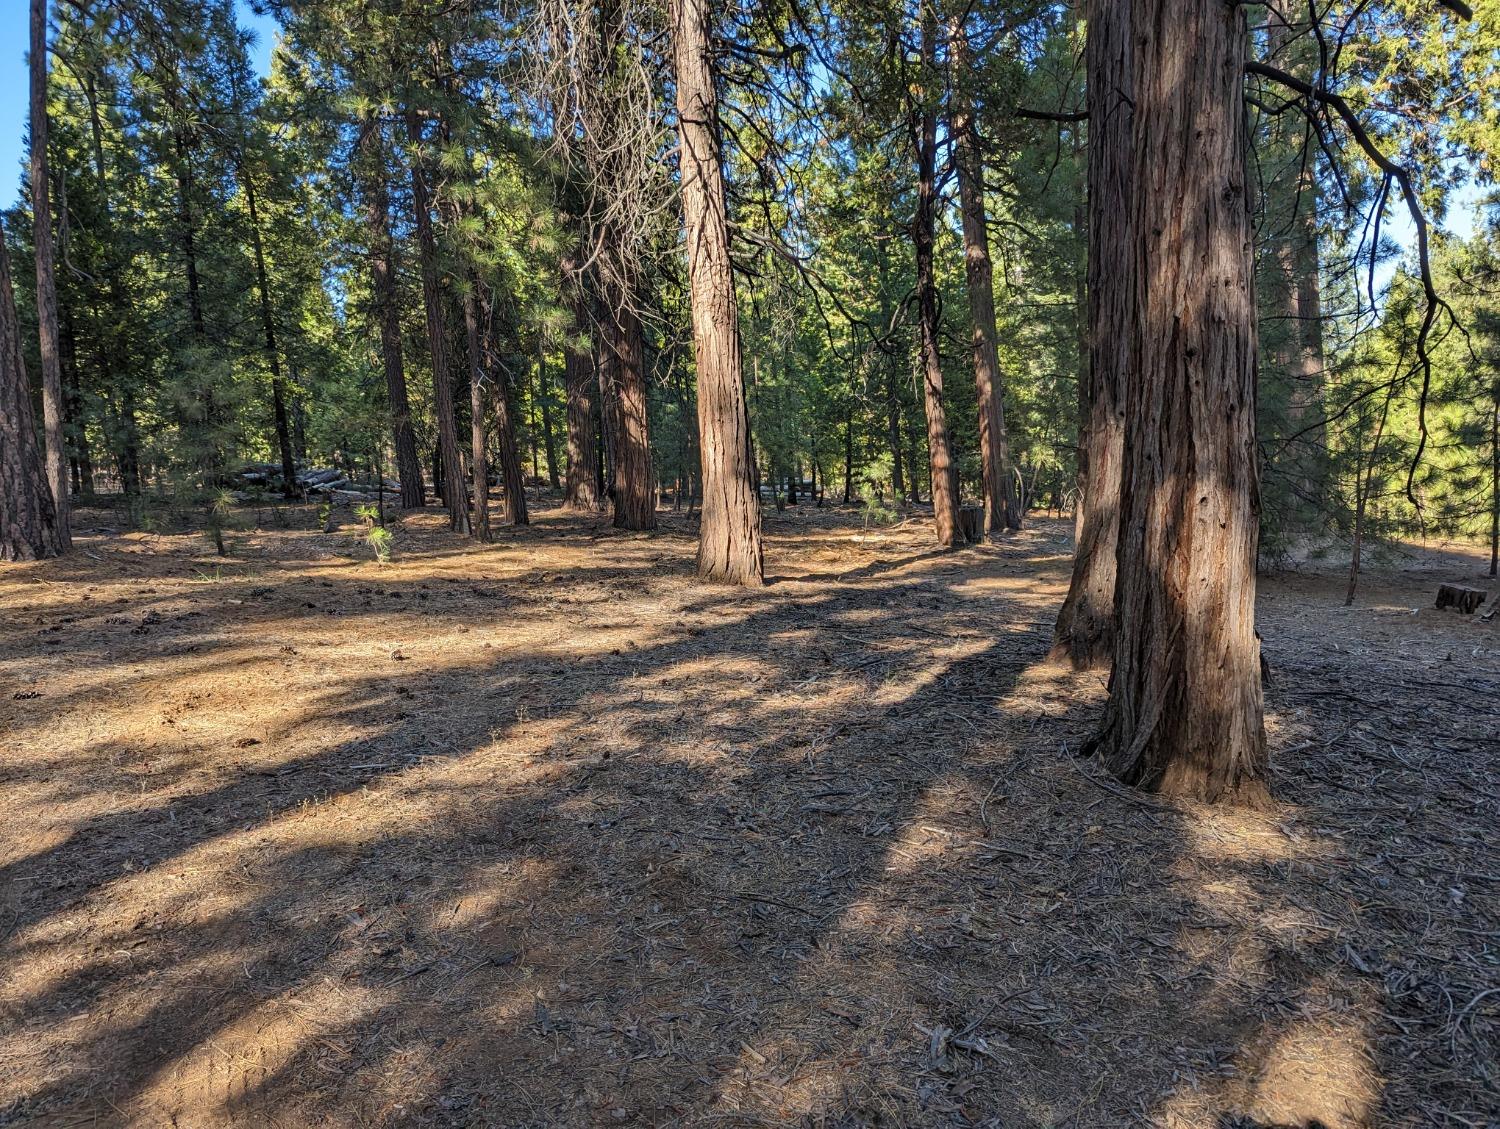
(544,833)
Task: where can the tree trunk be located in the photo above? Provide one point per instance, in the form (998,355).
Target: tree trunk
(1364,482)
(479,525)
(1084,635)
(1002,511)
(453,493)
(1185,712)
(1495,484)
(581,486)
(383,288)
(211,453)
(544,399)
(923,126)
(1302,360)
(1081,335)
(81,461)
(273,355)
(892,390)
(28,518)
(124,440)
(46,284)
(849,454)
(511,476)
(729,538)
(624,371)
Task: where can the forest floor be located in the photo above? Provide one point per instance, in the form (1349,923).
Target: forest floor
(546,834)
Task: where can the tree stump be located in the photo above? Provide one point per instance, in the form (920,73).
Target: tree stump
(1463,600)
(971,522)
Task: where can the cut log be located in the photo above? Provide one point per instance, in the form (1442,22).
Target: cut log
(1463,600)
(971,522)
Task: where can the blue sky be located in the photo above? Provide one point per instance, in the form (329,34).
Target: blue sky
(15,34)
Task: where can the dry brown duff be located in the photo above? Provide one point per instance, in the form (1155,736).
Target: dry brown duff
(547,833)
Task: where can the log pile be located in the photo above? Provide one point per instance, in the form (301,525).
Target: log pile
(1461,599)
(324,483)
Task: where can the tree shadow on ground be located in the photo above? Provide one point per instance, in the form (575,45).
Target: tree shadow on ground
(800,858)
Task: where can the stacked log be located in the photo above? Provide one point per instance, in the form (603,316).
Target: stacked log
(325,483)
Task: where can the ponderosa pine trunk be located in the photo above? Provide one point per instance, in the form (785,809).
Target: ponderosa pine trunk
(53,410)
(624,370)
(1002,510)
(1184,715)
(28,518)
(1495,484)
(388,314)
(544,398)
(80,459)
(123,436)
(268,329)
(455,496)
(1364,482)
(211,452)
(1085,635)
(892,388)
(511,471)
(729,536)
(923,127)
(479,467)
(1294,48)
(581,487)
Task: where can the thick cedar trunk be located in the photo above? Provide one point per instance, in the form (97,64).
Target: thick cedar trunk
(729,541)
(46,282)
(273,355)
(1185,712)
(479,525)
(624,372)
(1001,507)
(28,518)
(1084,634)
(923,124)
(453,493)
(581,489)
(383,288)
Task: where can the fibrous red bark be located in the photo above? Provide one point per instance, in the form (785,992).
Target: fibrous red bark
(1185,709)
(28,520)
(729,535)
(1084,635)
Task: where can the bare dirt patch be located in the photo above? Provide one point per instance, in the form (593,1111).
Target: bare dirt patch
(545,833)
